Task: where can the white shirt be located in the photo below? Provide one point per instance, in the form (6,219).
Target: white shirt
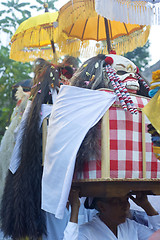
(56,227)
(96,229)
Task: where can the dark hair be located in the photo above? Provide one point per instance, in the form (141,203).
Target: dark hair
(21,212)
(90,75)
(93,204)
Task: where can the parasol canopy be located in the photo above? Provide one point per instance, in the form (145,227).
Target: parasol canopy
(38,37)
(79,19)
(33,30)
(34,37)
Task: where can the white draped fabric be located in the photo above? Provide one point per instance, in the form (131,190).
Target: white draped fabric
(135,12)
(75,111)
(15,159)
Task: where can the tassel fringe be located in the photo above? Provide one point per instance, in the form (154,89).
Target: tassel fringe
(129,11)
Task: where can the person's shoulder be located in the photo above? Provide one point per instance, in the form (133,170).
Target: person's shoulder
(129,223)
(90,229)
(90,224)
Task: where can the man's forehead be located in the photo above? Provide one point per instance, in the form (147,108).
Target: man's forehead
(118,198)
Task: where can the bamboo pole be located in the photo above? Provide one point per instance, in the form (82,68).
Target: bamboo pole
(105,146)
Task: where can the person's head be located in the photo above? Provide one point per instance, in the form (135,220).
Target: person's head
(112,209)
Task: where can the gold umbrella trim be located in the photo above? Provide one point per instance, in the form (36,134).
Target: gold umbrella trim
(126,44)
(122,45)
(65,46)
(29,38)
(29,55)
(77,48)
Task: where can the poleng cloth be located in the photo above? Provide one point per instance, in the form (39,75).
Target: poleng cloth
(75,111)
(126,151)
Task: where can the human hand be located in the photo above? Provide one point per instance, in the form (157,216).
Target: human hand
(141,200)
(74,198)
(75,204)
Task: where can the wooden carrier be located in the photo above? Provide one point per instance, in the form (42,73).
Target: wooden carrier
(127,163)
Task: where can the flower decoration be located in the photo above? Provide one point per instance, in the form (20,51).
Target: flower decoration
(86,82)
(31,97)
(109,60)
(156,75)
(88,74)
(92,78)
(155,83)
(51,74)
(96,65)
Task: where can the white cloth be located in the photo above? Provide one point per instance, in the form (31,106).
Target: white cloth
(96,229)
(134,12)
(54,94)
(56,227)
(8,141)
(75,111)
(15,159)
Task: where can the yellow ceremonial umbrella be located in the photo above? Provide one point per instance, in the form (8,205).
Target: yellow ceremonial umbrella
(37,37)
(78,19)
(34,37)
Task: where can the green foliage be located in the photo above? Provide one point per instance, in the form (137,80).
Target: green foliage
(11,72)
(12,13)
(17,11)
(49,2)
(140,56)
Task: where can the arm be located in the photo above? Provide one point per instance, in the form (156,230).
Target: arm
(142,201)
(75,205)
(153,217)
(72,229)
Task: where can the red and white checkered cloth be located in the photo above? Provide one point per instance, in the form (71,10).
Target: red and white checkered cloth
(126,146)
